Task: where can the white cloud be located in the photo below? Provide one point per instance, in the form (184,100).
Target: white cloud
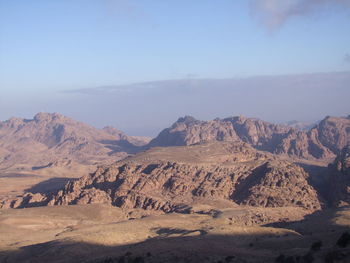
(274,13)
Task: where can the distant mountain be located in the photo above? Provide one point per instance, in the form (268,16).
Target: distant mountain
(49,137)
(322,142)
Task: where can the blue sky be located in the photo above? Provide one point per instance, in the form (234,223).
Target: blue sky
(50,46)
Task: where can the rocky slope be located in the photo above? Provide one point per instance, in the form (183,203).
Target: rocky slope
(322,142)
(175,179)
(339,191)
(49,137)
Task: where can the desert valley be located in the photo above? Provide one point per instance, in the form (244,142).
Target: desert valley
(145,131)
(227,190)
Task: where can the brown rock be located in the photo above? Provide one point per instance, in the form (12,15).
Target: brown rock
(339,191)
(168,178)
(322,142)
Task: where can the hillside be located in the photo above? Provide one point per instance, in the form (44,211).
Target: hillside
(174,179)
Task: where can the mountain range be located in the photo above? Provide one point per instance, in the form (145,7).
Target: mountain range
(236,159)
(322,142)
(232,190)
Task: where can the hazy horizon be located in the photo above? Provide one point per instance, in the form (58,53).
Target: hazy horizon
(139,65)
(144,109)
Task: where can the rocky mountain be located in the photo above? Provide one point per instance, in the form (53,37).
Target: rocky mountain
(322,142)
(49,137)
(176,178)
(339,180)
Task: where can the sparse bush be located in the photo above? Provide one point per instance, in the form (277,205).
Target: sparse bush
(229,258)
(344,240)
(289,259)
(309,258)
(128,254)
(108,260)
(280,259)
(316,246)
(334,256)
(138,260)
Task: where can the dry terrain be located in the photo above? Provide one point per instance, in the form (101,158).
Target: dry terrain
(230,190)
(101,233)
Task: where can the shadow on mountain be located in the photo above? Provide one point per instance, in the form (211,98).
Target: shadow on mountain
(322,221)
(34,168)
(166,231)
(122,146)
(183,245)
(319,179)
(50,186)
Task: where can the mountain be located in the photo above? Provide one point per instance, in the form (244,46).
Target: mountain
(322,142)
(339,180)
(49,137)
(176,179)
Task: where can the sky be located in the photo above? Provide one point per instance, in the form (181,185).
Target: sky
(51,51)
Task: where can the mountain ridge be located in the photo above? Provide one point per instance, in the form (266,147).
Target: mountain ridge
(319,143)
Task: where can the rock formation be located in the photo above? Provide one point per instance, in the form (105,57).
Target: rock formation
(171,179)
(339,191)
(322,142)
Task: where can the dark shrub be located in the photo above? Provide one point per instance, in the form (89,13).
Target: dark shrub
(334,256)
(229,258)
(308,258)
(280,259)
(344,240)
(316,246)
(290,259)
(138,260)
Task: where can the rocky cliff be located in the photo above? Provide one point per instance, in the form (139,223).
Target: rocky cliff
(322,142)
(174,179)
(339,180)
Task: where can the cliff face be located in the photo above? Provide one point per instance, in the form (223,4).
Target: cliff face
(322,142)
(340,178)
(228,171)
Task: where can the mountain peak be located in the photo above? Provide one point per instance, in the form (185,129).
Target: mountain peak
(44,116)
(187,119)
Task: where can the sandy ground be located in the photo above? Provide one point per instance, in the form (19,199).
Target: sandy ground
(96,233)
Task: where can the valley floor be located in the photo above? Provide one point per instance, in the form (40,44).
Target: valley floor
(102,233)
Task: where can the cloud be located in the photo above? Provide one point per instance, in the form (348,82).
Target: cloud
(274,13)
(125,8)
(347,58)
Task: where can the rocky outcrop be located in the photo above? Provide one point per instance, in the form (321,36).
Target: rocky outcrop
(27,200)
(322,142)
(339,191)
(164,179)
